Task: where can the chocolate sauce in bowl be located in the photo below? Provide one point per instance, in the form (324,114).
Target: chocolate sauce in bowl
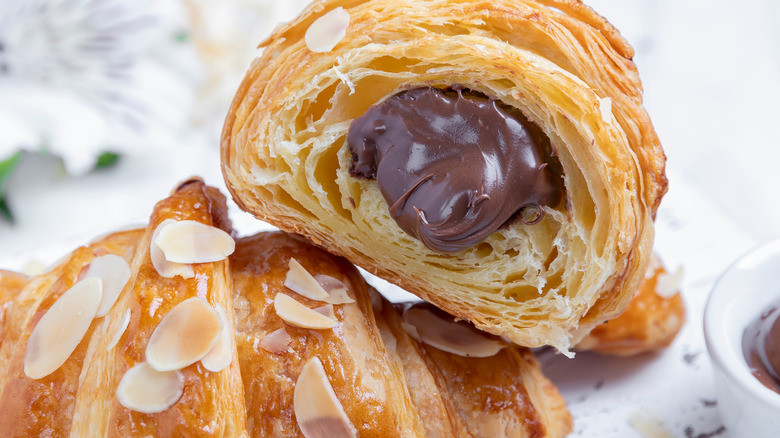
(454,165)
(761,346)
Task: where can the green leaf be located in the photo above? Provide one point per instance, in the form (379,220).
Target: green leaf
(5,211)
(7,167)
(106,159)
(182,36)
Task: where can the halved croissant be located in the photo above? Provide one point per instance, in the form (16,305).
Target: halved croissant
(375,370)
(286,157)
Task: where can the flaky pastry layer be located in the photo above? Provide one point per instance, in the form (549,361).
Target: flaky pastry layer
(285,157)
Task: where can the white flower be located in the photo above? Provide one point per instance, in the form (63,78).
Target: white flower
(69,73)
(54,121)
(80,77)
(226,34)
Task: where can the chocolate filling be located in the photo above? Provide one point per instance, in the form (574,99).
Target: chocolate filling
(454,165)
(761,346)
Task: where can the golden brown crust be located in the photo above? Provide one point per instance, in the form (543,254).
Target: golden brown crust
(79,397)
(210,403)
(11,283)
(254,395)
(505,395)
(352,353)
(45,407)
(429,399)
(650,322)
(566,68)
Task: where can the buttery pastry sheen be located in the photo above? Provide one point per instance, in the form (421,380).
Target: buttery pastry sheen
(542,279)
(365,376)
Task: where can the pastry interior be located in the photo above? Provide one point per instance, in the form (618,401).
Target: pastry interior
(287,160)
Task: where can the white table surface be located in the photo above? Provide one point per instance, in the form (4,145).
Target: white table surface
(711,76)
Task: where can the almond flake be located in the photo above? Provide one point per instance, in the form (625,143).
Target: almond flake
(654,265)
(667,285)
(300,281)
(318,412)
(277,342)
(120,331)
(194,242)
(326,310)
(649,424)
(61,328)
(337,291)
(296,314)
(165,268)
(144,389)
(376,299)
(447,335)
(605,107)
(184,336)
(221,353)
(33,268)
(115,272)
(326,32)
(411,331)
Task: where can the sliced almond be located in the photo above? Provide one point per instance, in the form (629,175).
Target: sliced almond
(605,107)
(318,412)
(120,330)
(296,314)
(668,285)
(33,268)
(144,389)
(221,353)
(115,272)
(649,425)
(300,281)
(447,335)
(61,328)
(277,342)
(337,291)
(654,265)
(411,331)
(194,242)
(326,32)
(326,310)
(376,299)
(184,336)
(165,268)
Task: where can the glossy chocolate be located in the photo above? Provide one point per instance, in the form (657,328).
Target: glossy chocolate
(761,346)
(454,165)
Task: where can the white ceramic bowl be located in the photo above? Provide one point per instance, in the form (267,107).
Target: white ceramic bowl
(746,289)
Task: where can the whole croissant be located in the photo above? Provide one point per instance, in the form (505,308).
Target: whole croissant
(273,369)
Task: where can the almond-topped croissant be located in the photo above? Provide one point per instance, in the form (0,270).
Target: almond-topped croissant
(493,158)
(389,383)
(180,330)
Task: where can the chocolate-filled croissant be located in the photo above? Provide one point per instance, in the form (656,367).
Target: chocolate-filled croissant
(296,344)
(493,158)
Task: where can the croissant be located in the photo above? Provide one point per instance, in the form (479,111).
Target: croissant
(493,158)
(180,330)
(651,321)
